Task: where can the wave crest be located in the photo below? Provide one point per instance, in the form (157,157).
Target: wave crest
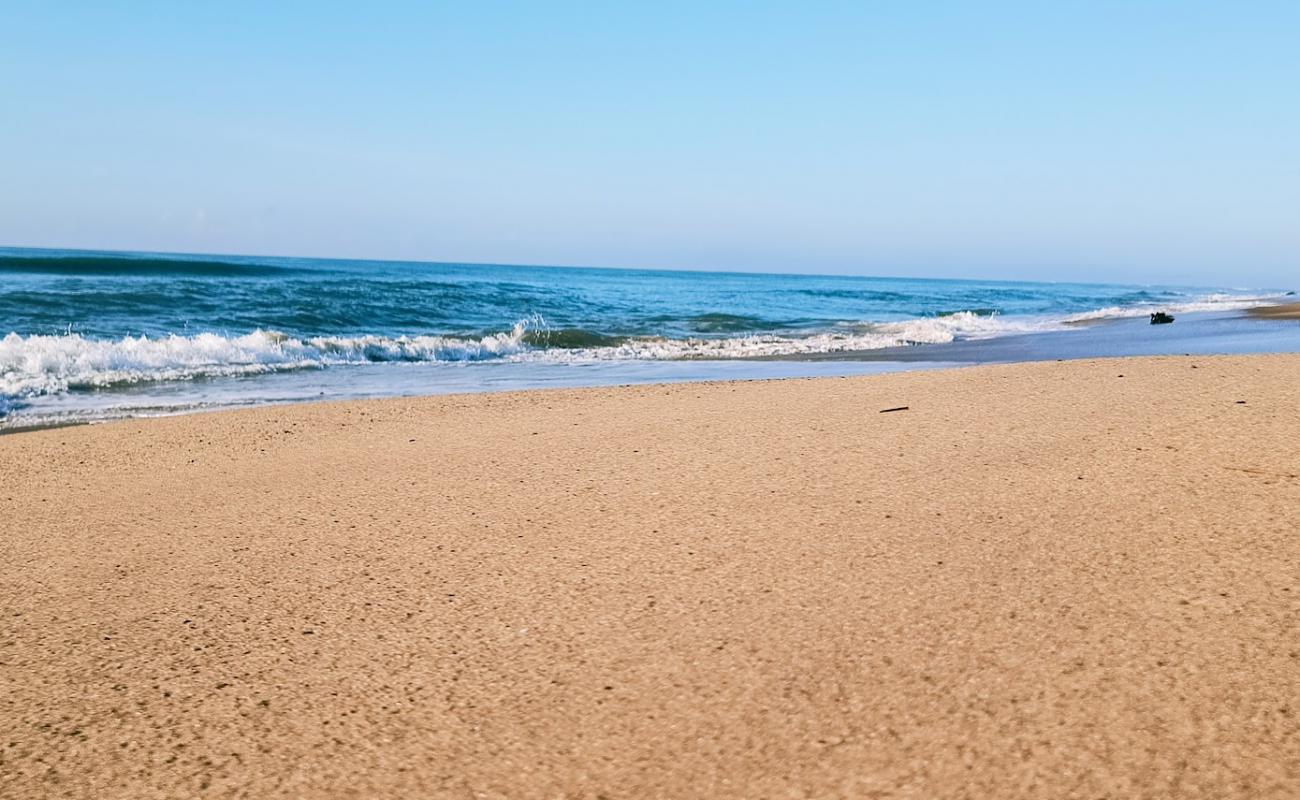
(38,364)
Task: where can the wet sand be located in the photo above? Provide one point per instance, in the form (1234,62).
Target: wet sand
(1074,579)
(1284,311)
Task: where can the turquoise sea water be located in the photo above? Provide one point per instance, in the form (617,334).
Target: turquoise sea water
(90,334)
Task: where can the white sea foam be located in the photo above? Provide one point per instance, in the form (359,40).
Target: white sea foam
(42,365)
(38,365)
(851,337)
(35,365)
(1209,302)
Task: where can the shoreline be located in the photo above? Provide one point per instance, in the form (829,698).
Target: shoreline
(1199,333)
(1040,579)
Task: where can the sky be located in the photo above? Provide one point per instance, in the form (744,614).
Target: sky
(1110,141)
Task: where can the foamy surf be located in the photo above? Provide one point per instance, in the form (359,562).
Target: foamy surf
(1209,302)
(848,337)
(38,365)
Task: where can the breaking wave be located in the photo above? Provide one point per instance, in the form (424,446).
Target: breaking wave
(35,365)
(41,364)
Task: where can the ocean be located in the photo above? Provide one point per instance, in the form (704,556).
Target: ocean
(97,335)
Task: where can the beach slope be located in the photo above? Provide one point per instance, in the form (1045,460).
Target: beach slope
(1075,579)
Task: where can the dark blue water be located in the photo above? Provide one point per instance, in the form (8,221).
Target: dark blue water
(88,324)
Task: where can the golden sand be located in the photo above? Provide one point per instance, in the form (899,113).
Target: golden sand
(1047,580)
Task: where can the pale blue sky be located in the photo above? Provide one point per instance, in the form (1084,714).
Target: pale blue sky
(1136,141)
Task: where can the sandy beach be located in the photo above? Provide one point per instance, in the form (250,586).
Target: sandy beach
(1067,580)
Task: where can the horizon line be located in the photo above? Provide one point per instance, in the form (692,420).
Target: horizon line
(595,267)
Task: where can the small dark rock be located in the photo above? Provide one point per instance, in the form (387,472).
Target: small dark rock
(1161,318)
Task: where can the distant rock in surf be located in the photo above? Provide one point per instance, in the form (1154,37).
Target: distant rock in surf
(1161,318)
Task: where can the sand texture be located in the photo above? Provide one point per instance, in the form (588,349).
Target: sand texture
(1051,580)
(1283,311)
